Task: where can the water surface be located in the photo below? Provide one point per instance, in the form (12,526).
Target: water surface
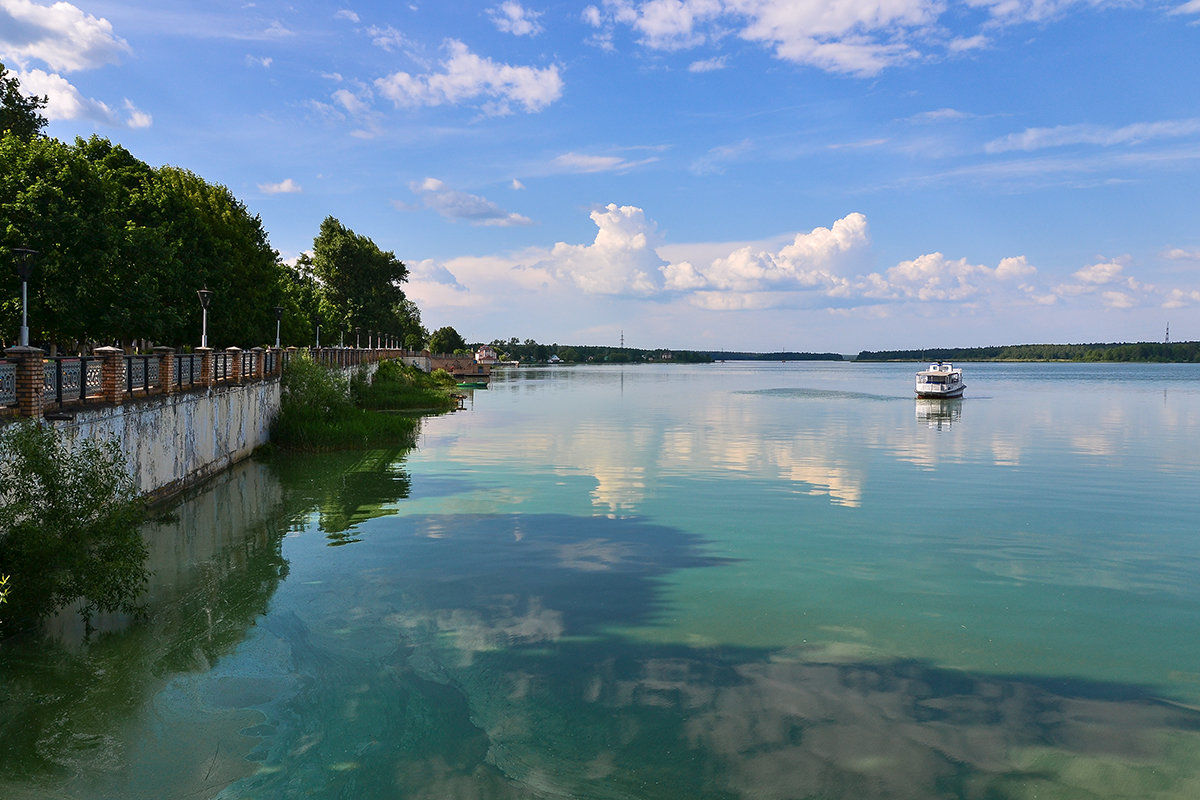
(669,581)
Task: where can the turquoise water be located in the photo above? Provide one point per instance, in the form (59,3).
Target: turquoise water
(669,581)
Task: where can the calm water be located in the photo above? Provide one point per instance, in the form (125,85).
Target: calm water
(723,581)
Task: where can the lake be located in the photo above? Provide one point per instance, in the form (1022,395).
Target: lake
(737,580)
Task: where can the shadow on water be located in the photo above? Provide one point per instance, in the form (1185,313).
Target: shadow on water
(478,656)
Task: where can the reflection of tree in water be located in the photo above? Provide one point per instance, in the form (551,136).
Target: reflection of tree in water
(344,487)
(62,706)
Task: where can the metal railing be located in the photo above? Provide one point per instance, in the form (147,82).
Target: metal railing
(77,380)
(8,383)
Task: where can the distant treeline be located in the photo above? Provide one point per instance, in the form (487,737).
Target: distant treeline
(722,355)
(531,352)
(1139,351)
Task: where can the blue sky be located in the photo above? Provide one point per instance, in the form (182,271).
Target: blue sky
(738,174)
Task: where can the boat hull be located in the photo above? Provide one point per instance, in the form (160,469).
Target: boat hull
(957,391)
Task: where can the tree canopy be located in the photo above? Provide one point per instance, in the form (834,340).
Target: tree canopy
(446,340)
(20,114)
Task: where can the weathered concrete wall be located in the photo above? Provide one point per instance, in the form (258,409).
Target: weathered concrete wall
(174,441)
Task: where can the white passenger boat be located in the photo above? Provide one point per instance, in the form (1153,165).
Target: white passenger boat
(940,380)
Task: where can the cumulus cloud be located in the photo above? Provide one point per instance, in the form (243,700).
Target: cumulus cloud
(286,186)
(812,260)
(1179,254)
(1062,135)
(454,204)
(60,35)
(466,77)
(857,37)
(512,17)
(621,259)
(346,14)
(65,101)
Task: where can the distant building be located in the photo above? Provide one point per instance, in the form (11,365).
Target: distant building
(554,359)
(486,354)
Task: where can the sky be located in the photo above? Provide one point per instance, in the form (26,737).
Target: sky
(805,175)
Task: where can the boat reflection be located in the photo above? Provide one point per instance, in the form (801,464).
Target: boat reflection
(939,412)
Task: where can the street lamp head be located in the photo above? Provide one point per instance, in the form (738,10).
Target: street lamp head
(24,258)
(205,297)
(278,313)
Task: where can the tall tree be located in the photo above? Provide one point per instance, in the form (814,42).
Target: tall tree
(361,283)
(20,114)
(446,340)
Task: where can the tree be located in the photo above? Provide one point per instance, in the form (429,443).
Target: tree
(19,113)
(361,283)
(69,525)
(446,340)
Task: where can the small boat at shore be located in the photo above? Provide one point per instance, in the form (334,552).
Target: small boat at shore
(940,380)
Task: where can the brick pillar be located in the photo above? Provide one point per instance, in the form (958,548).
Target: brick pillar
(206,365)
(166,370)
(259,356)
(112,374)
(31,379)
(235,363)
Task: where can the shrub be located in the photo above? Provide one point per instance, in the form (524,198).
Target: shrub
(69,525)
(319,410)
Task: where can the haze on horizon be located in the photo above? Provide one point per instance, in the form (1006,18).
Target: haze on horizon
(755,175)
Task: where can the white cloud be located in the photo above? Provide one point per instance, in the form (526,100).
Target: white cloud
(257,61)
(1190,7)
(389,39)
(1182,298)
(581,162)
(707,65)
(467,77)
(811,261)
(286,186)
(854,36)
(137,118)
(517,185)
(60,35)
(621,259)
(512,17)
(1038,138)
(346,14)
(454,204)
(1179,254)
(65,101)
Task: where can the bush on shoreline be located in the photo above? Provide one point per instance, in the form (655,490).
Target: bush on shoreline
(70,520)
(321,410)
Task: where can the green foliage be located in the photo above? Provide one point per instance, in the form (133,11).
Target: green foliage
(20,114)
(398,386)
(530,352)
(317,412)
(446,340)
(1186,352)
(361,285)
(124,247)
(69,525)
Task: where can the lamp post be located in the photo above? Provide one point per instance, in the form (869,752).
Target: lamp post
(205,301)
(278,317)
(318,318)
(357,331)
(24,271)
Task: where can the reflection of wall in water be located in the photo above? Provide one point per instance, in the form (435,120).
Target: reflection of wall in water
(230,516)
